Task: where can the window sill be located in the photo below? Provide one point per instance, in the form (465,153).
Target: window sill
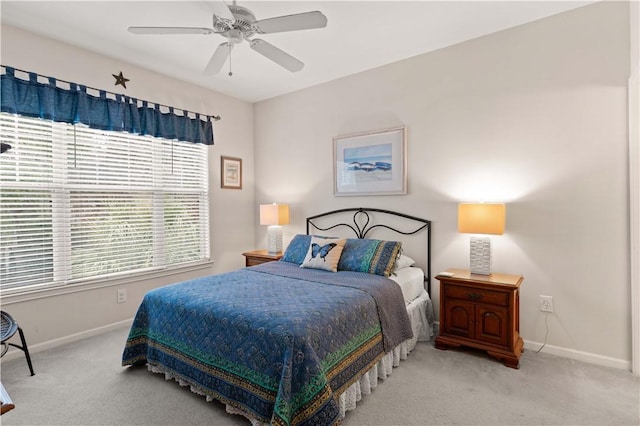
(17,295)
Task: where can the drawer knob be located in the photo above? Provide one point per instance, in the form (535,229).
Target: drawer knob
(475,296)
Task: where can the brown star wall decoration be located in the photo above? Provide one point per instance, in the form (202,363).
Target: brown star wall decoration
(120,80)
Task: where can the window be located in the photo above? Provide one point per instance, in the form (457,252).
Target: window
(78,203)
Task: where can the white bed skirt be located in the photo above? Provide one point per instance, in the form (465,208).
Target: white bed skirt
(421,316)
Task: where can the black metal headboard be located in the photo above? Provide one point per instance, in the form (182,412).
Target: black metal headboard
(361,227)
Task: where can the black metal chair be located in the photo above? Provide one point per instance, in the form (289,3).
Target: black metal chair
(8,329)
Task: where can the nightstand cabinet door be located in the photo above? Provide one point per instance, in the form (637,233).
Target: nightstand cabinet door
(491,325)
(459,318)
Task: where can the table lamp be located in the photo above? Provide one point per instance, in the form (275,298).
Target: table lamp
(481,218)
(274,215)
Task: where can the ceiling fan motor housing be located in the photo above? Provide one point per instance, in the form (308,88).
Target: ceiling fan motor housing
(243,25)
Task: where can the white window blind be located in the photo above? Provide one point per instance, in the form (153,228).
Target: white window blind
(78,203)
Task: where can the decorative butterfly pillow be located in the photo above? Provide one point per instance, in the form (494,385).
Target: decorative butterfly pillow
(323,253)
(297,249)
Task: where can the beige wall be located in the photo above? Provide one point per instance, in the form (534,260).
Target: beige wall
(55,317)
(535,116)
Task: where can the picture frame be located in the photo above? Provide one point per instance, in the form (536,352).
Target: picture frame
(371,163)
(230,172)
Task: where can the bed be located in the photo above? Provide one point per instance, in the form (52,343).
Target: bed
(300,340)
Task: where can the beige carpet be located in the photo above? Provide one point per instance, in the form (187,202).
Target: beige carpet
(83,384)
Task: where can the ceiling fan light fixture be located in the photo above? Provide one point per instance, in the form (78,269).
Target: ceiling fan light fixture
(234,36)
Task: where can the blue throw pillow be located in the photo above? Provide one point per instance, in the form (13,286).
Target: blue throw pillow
(371,256)
(297,249)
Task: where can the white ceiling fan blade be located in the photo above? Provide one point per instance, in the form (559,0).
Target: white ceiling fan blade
(222,11)
(278,56)
(170,30)
(218,59)
(300,21)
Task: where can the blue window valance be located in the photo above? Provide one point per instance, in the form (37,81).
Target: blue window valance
(106,111)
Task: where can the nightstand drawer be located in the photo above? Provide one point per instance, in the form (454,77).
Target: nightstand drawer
(477,295)
(257,257)
(253,261)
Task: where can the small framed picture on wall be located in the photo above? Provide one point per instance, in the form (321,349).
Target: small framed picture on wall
(230,172)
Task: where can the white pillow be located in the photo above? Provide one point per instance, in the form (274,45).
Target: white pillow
(403,261)
(323,253)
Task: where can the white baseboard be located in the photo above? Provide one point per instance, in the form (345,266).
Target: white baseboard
(14,353)
(588,357)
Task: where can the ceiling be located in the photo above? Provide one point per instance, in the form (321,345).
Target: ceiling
(360,35)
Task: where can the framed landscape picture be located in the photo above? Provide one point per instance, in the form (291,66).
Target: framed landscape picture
(372,163)
(230,172)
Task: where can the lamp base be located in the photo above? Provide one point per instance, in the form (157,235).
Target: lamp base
(480,256)
(274,239)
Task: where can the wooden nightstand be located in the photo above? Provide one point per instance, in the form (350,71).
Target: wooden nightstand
(257,257)
(482,312)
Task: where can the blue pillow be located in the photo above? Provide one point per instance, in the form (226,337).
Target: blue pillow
(371,256)
(297,249)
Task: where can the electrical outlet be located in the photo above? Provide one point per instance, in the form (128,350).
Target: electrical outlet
(122,295)
(546,303)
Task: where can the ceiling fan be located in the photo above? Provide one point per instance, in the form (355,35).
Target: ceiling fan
(237,23)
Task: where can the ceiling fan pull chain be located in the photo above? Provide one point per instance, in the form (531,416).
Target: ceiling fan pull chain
(230,73)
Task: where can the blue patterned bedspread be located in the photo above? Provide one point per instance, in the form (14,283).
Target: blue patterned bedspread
(275,341)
